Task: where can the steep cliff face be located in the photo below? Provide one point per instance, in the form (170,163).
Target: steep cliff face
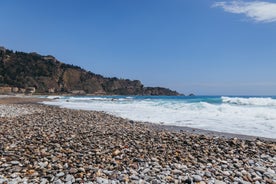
(46,74)
(123,87)
(159,91)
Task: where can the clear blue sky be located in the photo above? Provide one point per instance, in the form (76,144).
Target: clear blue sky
(201,46)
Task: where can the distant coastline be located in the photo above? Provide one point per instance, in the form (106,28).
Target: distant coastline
(32,73)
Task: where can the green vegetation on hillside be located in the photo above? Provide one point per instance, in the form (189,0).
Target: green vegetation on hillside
(46,74)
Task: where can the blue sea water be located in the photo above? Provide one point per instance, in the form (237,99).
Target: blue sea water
(242,115)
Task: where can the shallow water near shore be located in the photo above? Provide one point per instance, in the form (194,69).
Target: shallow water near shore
(255,116)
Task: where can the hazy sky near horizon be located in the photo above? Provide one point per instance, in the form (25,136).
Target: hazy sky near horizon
(204,47)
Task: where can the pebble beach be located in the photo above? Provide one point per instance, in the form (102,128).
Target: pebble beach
(46,144)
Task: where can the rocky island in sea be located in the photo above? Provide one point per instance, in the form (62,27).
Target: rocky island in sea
(31,72)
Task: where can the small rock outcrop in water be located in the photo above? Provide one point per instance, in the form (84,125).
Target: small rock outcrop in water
(48,75)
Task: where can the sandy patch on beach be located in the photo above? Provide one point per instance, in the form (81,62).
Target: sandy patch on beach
(20,100)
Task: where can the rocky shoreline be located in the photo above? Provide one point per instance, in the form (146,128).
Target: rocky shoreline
(55,145)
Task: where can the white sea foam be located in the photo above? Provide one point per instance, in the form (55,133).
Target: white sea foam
(251,116)
(250,101)
(52,97)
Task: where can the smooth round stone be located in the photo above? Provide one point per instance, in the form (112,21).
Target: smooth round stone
(44,181)
(219,182)
(260,169)
(197,178)
(108,173)
(73,171)
(134,177)
(226,173)
(270,171)
(60,174)
(244,172)
(70,178)
(237,173)
(166,173)
(146,170)
(43,164)
(156,170)
(251,162)
(199,172)
(14,175)
(269,175)
(15,162)
(208,174)
(58,182)
(81,169)
(5,165)
(100,180)
(16,169)
(133,172)
(201,182)
(263,156)
(177,172)
(257,178)
(65,166)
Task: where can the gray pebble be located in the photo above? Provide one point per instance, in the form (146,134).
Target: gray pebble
(219,182)
(15,162)
(58,182)
(101,180)
(176,171)
(60,174)
(134,177)
(44,181)
(70,178)
(197,178)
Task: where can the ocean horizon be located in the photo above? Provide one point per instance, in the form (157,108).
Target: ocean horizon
(246,115)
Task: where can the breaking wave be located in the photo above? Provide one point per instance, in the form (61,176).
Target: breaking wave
(255,101)
(241,115)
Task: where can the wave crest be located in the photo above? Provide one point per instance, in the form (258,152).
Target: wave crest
(256,101)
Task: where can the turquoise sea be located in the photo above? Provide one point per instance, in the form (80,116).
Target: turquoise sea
(249,115)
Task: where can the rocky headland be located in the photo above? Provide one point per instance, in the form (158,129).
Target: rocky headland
(45,144)
(30,73)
